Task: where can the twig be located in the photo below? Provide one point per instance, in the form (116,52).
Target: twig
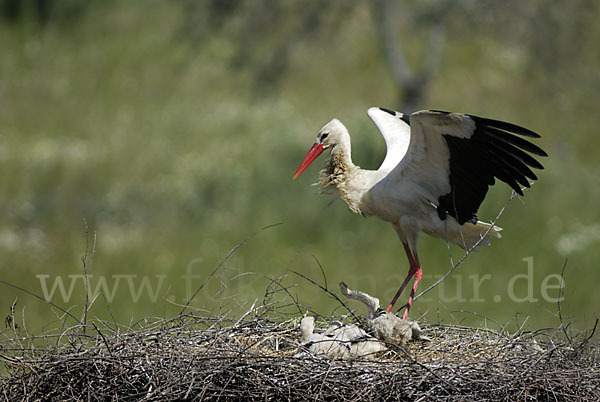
(84,260)
(467,252)
(246,314)
(219,265)
(269,294)
(502,329)
(322,270)
(103,338)
(560,293)
(29,292)
(331,293)
(587,338)
(10,319)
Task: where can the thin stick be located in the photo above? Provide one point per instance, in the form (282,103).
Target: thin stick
(219,265)
(84,260)
(467,252)
(29,292)
(586,340)
(269,294)
(103,338)
(560,293)
(329,292)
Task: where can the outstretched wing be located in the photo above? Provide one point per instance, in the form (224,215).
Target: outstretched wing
(455,157)
(396,132)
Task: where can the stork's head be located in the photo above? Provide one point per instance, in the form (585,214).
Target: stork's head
(332,134)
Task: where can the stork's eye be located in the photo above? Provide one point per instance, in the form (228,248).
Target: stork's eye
(324,136)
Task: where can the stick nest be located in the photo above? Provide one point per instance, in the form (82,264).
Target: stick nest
(256,356)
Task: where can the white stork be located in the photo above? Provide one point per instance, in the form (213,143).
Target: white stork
(434,177)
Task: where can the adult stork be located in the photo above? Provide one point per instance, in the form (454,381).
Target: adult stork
(434,177)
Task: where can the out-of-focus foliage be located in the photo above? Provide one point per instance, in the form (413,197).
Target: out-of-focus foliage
(43,11)
(265,34)
(173,129)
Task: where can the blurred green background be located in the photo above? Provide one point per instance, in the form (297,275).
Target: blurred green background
(173,130)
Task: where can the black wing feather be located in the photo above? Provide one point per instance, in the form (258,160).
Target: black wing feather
(509,127)
(514,164)
(495,134)
(494,150)
(517,153)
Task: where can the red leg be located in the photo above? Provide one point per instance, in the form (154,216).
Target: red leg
(418,276)
(414,268)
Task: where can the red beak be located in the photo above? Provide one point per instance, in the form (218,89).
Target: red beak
(312,154)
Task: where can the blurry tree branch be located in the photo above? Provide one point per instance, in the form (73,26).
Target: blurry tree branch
(537,36)
(282,27)
(413,86)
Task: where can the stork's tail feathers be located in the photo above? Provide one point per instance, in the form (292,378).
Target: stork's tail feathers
(474,235)
(468,235)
